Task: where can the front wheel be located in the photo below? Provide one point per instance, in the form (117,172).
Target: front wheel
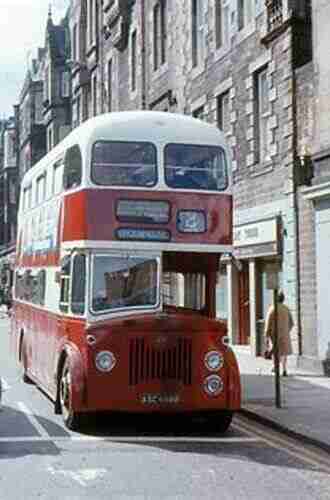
(71,418)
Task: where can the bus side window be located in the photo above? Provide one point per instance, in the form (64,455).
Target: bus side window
(42,286)
(72,168)
(78,284)
(19,283)
(65,284)
(57,181)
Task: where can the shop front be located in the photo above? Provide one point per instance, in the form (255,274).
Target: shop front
(256,245)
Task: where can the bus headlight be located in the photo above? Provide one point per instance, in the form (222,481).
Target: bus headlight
(105,361)
(213,361)
(213,385)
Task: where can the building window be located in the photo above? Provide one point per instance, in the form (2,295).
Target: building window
(94,96)
(163,24)
(65,84)
(110,85)
(46,85)
(197,31)
(133,61)
(223,112)
(159,34)
(91,22)
(74,43)
(262,112)
(199,113)
(50,139)
(244,13)
(221,23)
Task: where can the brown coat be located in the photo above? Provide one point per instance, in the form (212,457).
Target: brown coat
(284,326)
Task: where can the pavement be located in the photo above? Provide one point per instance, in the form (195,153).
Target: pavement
(305,398)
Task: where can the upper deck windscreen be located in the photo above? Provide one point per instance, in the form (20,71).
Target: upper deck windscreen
(195,167)
(117,163)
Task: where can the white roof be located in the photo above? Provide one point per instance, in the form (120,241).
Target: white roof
(154,126)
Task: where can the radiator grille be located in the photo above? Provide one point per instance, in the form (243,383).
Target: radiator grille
(148,363)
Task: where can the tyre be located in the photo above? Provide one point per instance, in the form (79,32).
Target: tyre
(71,418)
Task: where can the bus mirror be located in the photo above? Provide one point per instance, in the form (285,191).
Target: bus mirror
(58,277)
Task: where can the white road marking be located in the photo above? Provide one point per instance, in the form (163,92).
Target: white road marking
(34,421)
(129,439)
(5,385)
(82,476)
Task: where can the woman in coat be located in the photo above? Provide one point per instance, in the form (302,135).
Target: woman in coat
(284,327)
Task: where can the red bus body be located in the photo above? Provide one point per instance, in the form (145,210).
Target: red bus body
(159,354)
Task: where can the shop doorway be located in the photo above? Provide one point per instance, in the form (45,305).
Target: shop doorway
(244,305)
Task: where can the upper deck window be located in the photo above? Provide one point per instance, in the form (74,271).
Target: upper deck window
(72,168)
(124,282)
(195,167)
(57,177)
(124,164)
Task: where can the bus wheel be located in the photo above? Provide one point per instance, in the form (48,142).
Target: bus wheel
(221,421)
(71,418)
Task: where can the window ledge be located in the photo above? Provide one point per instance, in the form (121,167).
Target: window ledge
(222,51)
(259,169)
(160,71)
(197,70)
(248,30)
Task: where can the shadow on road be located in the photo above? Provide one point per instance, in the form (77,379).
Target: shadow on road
(18,437)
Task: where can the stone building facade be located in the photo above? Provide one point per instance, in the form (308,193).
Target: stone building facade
(8,199)
(31,129)
(315,199)
(246,66)
(235,64)
(243,66)
(56,78)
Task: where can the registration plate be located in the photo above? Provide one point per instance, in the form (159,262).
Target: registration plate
(159,398)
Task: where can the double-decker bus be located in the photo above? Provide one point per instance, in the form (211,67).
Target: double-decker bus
(120,232)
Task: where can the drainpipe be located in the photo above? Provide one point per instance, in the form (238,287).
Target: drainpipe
(100,41)
(143,57)
(296,202)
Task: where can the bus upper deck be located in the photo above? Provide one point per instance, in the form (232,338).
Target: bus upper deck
(159,179)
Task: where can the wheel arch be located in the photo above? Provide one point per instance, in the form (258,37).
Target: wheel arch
(76,363)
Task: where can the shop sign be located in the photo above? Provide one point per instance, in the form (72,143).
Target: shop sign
(256,238)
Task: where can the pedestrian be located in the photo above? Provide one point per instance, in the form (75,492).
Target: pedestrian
(284,327)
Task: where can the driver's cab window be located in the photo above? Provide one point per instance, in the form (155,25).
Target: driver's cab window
(73,284)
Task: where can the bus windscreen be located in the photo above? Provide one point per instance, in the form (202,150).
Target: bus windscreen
(122,283)
(195,167)
(117,163)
